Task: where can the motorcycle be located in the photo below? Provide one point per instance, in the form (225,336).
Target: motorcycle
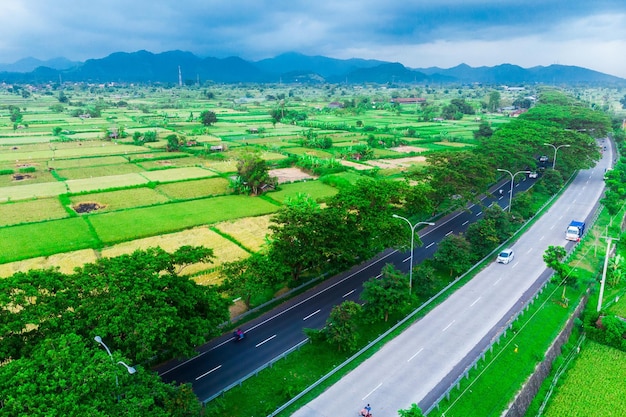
(238,335)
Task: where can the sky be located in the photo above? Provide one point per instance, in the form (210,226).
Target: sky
(416,33)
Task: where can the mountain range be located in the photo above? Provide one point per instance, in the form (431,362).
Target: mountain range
(147,67)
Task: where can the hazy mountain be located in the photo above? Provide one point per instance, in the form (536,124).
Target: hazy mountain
(383,73)
(324,66)
(147,67)
(30,64)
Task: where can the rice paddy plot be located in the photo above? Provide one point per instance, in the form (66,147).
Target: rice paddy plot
(43,239)
(194,189)
(88,162)
(167,218)
(315,189)
(225,166)
(250,232)
(223,249)
(37,190)
(98,171)
(102,183)
(299,150)
(118,200)
(16,141)
(29,211)
(65,262)
(593,386)
(177,174)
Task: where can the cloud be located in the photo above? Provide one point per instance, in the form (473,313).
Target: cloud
(418,33)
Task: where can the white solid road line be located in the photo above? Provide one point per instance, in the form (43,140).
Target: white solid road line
(371,392)
(265,341)
(206,373)
(309,316)
(429,245)
(415,354)
(475,301)
(448,326)
(348,293)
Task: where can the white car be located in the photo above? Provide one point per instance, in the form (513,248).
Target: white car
(532,174)
(506,256)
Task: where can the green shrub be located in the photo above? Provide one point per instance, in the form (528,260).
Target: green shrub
(27,169)
(6,171)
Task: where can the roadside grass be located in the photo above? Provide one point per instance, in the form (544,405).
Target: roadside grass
(594,385)
(121,199)
(42,239)
(493,383)
(29,211)
(315,189)
(195,188)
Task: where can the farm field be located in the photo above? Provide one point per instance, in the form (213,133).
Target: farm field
(595,382)
(86,185)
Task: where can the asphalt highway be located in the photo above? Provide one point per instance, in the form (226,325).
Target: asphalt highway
(222,361)
(422,362)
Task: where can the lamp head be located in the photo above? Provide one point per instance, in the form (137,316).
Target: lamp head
(98,339)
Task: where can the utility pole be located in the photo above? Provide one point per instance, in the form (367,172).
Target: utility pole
(606,263)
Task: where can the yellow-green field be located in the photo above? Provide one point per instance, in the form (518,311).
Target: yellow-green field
(28,211)
(593,386)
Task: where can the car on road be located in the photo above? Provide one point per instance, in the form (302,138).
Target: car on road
(543,159)
(533,174)
(505,256)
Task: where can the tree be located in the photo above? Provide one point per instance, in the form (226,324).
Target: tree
(424,279)
(494,102)
(364,211)
(174,142)
(254,173)
(71,375)
(136,301)
(484,131)
(482,236)
(454,253)
(386,295)
(300,234)
(341,326)
(252,275)
(553,257)
(208,117)
(457,177)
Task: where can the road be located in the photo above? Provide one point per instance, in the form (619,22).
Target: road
(418,365)
(221,362)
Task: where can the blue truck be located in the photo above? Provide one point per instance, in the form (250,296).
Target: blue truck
(575,230)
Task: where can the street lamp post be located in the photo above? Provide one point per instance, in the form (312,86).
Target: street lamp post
(412,226)
(556,148)
(512,180)
(129,368)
